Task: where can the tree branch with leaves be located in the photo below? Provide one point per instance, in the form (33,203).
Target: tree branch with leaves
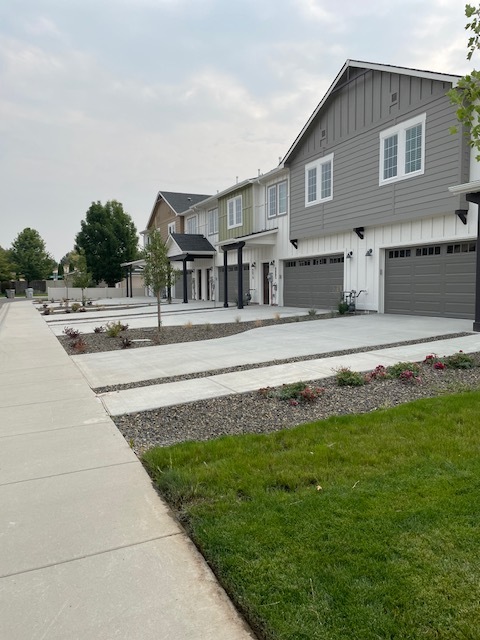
(466,94)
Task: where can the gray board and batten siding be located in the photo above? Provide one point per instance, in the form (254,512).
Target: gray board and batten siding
(431,280)
(349,125)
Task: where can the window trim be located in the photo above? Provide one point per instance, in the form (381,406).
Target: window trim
(187,221)
(171,228)
(237,222)
(276,187)
(212,214)
(400,130)
(318,165)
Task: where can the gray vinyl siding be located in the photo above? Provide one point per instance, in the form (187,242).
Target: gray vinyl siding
(352,120)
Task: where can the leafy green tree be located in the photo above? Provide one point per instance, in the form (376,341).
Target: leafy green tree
(30,257)
(466,95)
(7,268)
(158,272)
(107,238)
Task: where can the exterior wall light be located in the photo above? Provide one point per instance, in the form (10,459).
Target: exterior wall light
(369,253)
(349,254)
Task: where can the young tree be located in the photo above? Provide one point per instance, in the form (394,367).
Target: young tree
(6,266)
(30,257)
(77,272)
(466,95)
(158,272)
(107,238)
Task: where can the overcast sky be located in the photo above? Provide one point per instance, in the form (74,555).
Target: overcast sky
(119,99)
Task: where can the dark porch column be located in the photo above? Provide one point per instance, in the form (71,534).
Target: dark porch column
(131,281)
(475,197)
(127,269)
(240,274)
(225,277)
(185,296)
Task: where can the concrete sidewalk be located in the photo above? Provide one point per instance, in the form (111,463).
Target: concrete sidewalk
(88,549)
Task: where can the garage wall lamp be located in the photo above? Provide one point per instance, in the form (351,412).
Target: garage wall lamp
(254,264)
(349,254)
(272,263)
(369,253)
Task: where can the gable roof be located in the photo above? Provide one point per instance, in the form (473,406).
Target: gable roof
(372,66)
(190,245)
(178,202)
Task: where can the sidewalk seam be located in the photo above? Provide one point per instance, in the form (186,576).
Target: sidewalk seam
(91,555)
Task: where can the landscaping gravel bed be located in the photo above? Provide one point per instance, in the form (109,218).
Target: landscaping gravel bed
(252,413)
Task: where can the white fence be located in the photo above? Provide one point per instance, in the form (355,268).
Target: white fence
(91,293)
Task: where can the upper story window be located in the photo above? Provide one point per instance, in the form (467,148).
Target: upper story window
(319,180)
(212,221)
(171,227)
(402,150)
(277,199)
(234,212)
(191,225)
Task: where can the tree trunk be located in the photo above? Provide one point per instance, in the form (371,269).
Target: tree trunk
(159,317)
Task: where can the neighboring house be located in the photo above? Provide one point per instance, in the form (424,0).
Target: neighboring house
(165,213)
(360,202)
(370,208)
(165,216)
(248,224)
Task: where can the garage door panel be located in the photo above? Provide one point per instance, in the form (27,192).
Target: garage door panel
(436,280)
(313,282)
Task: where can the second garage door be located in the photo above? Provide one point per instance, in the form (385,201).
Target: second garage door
(431,280)
(315,283)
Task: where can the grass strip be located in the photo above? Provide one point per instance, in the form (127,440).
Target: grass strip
(359,527)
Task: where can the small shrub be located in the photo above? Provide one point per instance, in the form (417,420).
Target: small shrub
(113,329)
(348,378)
(409,377)
(276,316)
(188,325)
(312,312)
(379,373)
(71,333)
(258,323)
(342,307)
(46,312)
(75,307)
(294,393)
(99,329)
(208,326)
(79,346)
(82,310)
(459,360)
(396,370)
(237,319)
(126,342)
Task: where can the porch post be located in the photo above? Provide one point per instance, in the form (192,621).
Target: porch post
(225,277)
(475,197)
(185,296)
(126,278)
(131,281)
(240,274)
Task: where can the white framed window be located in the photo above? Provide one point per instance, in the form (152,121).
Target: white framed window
(319,180)
(402,150)
(234,212)
(191,225)
(171,227)
(212,221)
(277,199)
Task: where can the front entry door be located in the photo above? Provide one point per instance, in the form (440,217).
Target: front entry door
(266,283)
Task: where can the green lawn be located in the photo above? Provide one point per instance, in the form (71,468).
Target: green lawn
(360,527)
